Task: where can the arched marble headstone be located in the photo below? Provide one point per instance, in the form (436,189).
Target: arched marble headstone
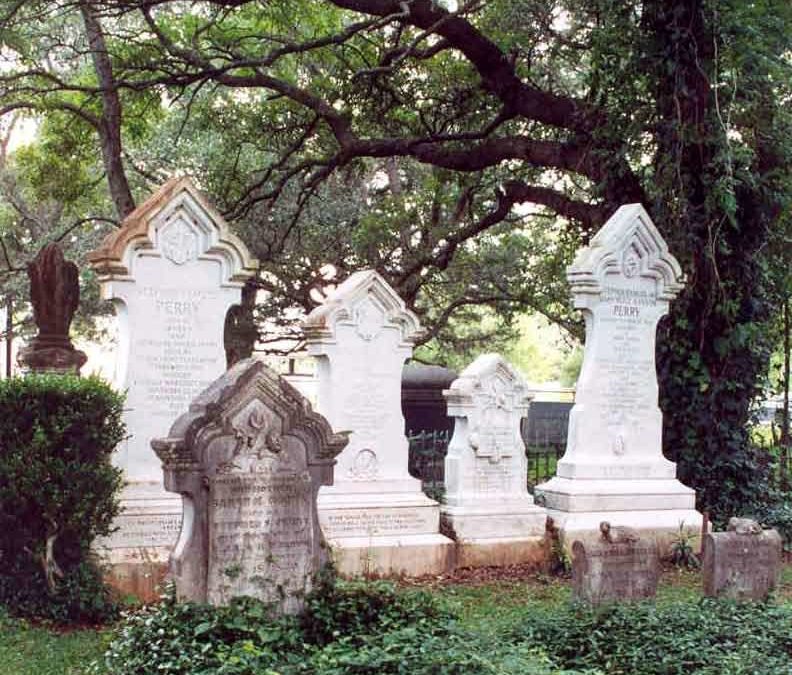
(487,505)
(172,270)
(375,516)
(613,468)
(248,458)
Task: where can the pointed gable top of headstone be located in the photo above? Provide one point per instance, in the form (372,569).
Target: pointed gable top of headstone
(489,374)
(366,300)
(628,244)
(179,223)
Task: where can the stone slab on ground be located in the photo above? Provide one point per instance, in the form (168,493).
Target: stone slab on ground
(741,564)
(613,570)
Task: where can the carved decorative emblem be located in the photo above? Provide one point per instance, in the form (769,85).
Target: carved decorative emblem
(365,465)
(369,320)
(631,264)
(494,436)
(179,243)
(253,438)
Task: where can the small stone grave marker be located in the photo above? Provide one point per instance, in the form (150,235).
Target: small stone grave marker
(618,566)
(742,563)
(248,459)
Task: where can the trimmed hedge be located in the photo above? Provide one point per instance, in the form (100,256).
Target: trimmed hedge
(58,492)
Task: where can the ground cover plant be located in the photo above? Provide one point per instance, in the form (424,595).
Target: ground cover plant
(481,622)
(505,627)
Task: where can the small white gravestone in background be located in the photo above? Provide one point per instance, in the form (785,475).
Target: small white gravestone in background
(613,468)
(375,515)
(173,270)
(487,504)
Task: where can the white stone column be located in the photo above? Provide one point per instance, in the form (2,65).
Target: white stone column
(613,468)
(375,515)
(487,503)
(172,270)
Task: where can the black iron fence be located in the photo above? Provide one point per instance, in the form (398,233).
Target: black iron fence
(428,451)
(427,459)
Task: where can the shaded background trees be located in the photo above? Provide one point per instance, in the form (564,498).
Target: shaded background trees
(464,150)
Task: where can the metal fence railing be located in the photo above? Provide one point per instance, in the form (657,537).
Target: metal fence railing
(428,451)
(427,459)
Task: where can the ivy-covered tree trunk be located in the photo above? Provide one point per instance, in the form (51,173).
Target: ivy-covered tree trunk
(713,350)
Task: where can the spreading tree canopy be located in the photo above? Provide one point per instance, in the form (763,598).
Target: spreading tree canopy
(464,149)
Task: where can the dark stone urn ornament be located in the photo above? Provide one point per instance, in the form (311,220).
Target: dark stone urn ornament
(54,294)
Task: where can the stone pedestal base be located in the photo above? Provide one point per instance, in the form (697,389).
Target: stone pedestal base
(387,534)
(389,556)
(136,555)
(143,581)
(655,508)
(41,357)
(489,535)
(510,519)
(503,552)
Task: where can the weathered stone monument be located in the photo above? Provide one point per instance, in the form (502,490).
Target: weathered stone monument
(617,566)
(55,296)
(375,516)
(487,505)
(173,270)
(613,468)
(743,563)
(248,459)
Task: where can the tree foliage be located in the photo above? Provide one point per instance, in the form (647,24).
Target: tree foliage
(464,150)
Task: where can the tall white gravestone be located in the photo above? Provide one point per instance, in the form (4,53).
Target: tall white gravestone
(613,468)
(375,516)
(487,504)
(173,270)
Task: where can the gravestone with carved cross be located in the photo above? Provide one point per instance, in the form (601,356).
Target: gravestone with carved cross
(375,516)
(487,505)
(173,269)
(613,468)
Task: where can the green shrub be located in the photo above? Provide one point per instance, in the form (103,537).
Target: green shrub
(173,638)
(353,609)
(777,512)
(340,633)
(58,491)
(707,637)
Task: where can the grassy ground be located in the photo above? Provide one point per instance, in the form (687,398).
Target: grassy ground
(486,607)
(33,650)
